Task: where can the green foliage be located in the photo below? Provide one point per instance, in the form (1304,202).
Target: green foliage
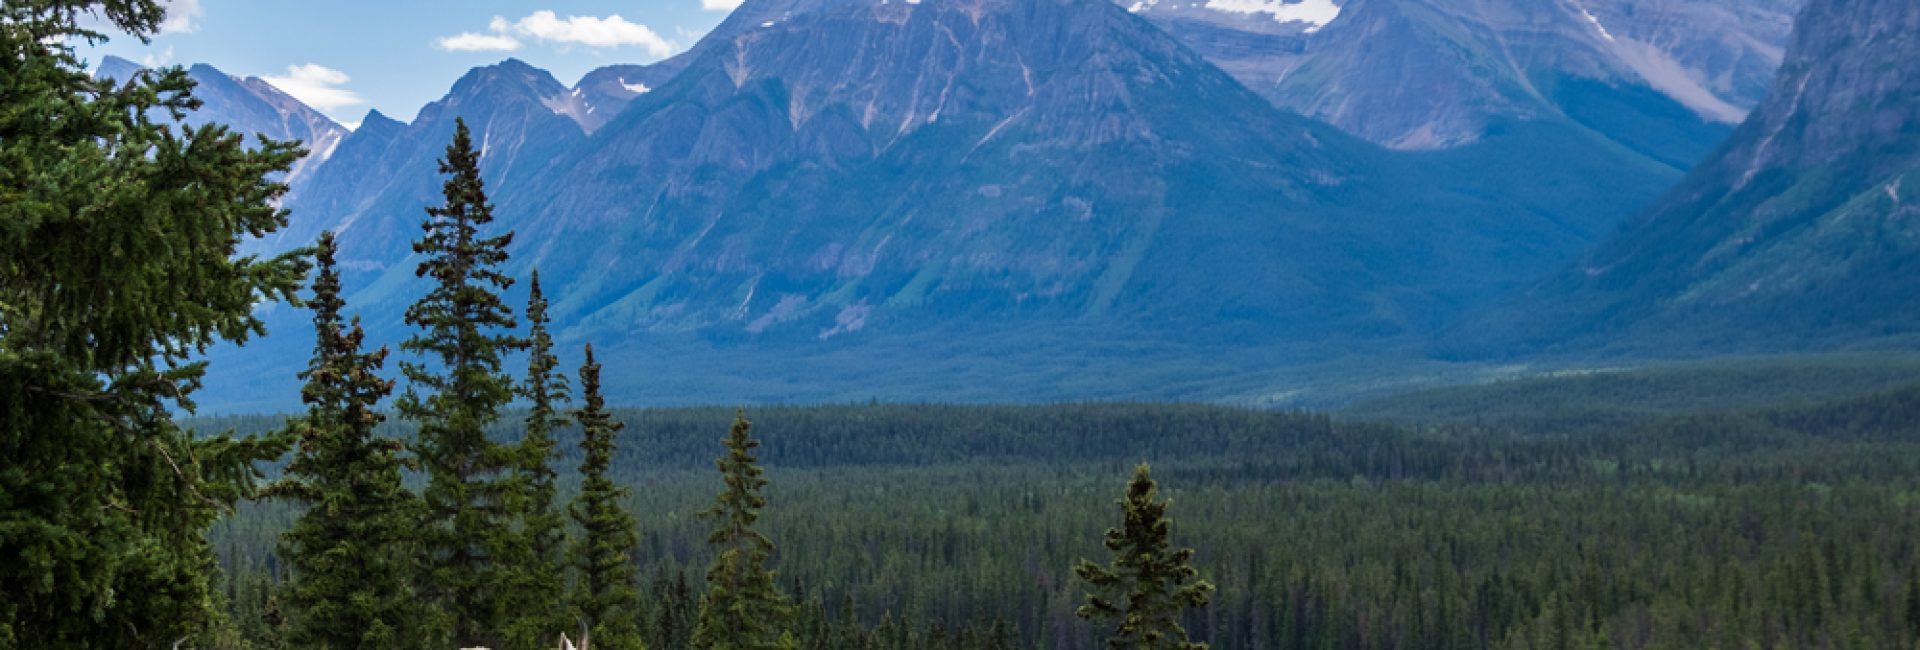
(743,608)
(605,592)
(119,228)
(469,476)
(352,551)
(1678,532)
(1157,582)
(533,604)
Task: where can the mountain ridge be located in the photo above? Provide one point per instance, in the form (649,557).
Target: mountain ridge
(889,187)
(252,107)
(1690,67)
(1797,233)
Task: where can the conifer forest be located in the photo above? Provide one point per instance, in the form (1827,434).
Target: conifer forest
(473,484)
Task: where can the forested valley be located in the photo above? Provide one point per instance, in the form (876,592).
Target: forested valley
(465,489)
(914,526)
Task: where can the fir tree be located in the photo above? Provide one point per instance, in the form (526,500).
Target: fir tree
(1158,583)
(743,608)
(349,552)
(119,228)
(534,607)
(468,498)
(606,593)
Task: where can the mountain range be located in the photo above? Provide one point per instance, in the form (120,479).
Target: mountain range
(252,107)
(1801,232)
(1667,78)
(1032,199)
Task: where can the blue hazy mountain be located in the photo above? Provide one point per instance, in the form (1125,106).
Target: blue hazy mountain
(1802,231)
(1001,199)
(1667,79)
(252,107)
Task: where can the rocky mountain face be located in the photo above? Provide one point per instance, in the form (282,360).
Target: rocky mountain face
(1803,231)
(251,107)
(1663,77)
(885,188)
(381,177)
(865,162)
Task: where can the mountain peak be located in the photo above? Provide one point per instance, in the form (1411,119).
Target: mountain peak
(378,119)
(116,68)
(511,75)
(515,64)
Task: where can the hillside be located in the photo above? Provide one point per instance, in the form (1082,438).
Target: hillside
(1666,78)
(1798,234)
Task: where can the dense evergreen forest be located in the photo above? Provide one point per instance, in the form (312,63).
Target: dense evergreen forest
(476,492)
(897,524)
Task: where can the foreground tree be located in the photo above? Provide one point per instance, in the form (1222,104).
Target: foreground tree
(606,594)
(351,550)
(743,608)
(468,497)
(533,603)
(1157,582)
(119,227)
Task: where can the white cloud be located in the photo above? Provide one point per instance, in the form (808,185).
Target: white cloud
(316,85)
(180,15)
(548,27)
(612,31)
(720,5)
(474,42)
(153,60)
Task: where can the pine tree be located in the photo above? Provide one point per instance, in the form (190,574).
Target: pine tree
(606,594)
(1158,583)
(350,551)
(743,608)
(119,228)
(535,608)
(468,498)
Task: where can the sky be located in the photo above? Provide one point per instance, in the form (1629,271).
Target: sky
(344,57)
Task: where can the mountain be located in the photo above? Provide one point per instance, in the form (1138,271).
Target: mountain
(1803,231)
(252,107)
(1663,77)
(969,199)
(385,173)
(607,90)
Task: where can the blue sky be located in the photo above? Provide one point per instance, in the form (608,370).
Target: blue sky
(347,56)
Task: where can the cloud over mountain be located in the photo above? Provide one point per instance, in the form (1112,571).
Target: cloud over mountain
(548,27)
(317,86)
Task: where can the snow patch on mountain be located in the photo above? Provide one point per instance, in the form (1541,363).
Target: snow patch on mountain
(1673,79)
(1595,21)
(1316,13)
(575,106)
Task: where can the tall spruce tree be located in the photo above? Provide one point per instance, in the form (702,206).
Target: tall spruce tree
(534,604)
(743,608)
(469,496)
(119,228)
(1157,582)
(606,593)
(351,550)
